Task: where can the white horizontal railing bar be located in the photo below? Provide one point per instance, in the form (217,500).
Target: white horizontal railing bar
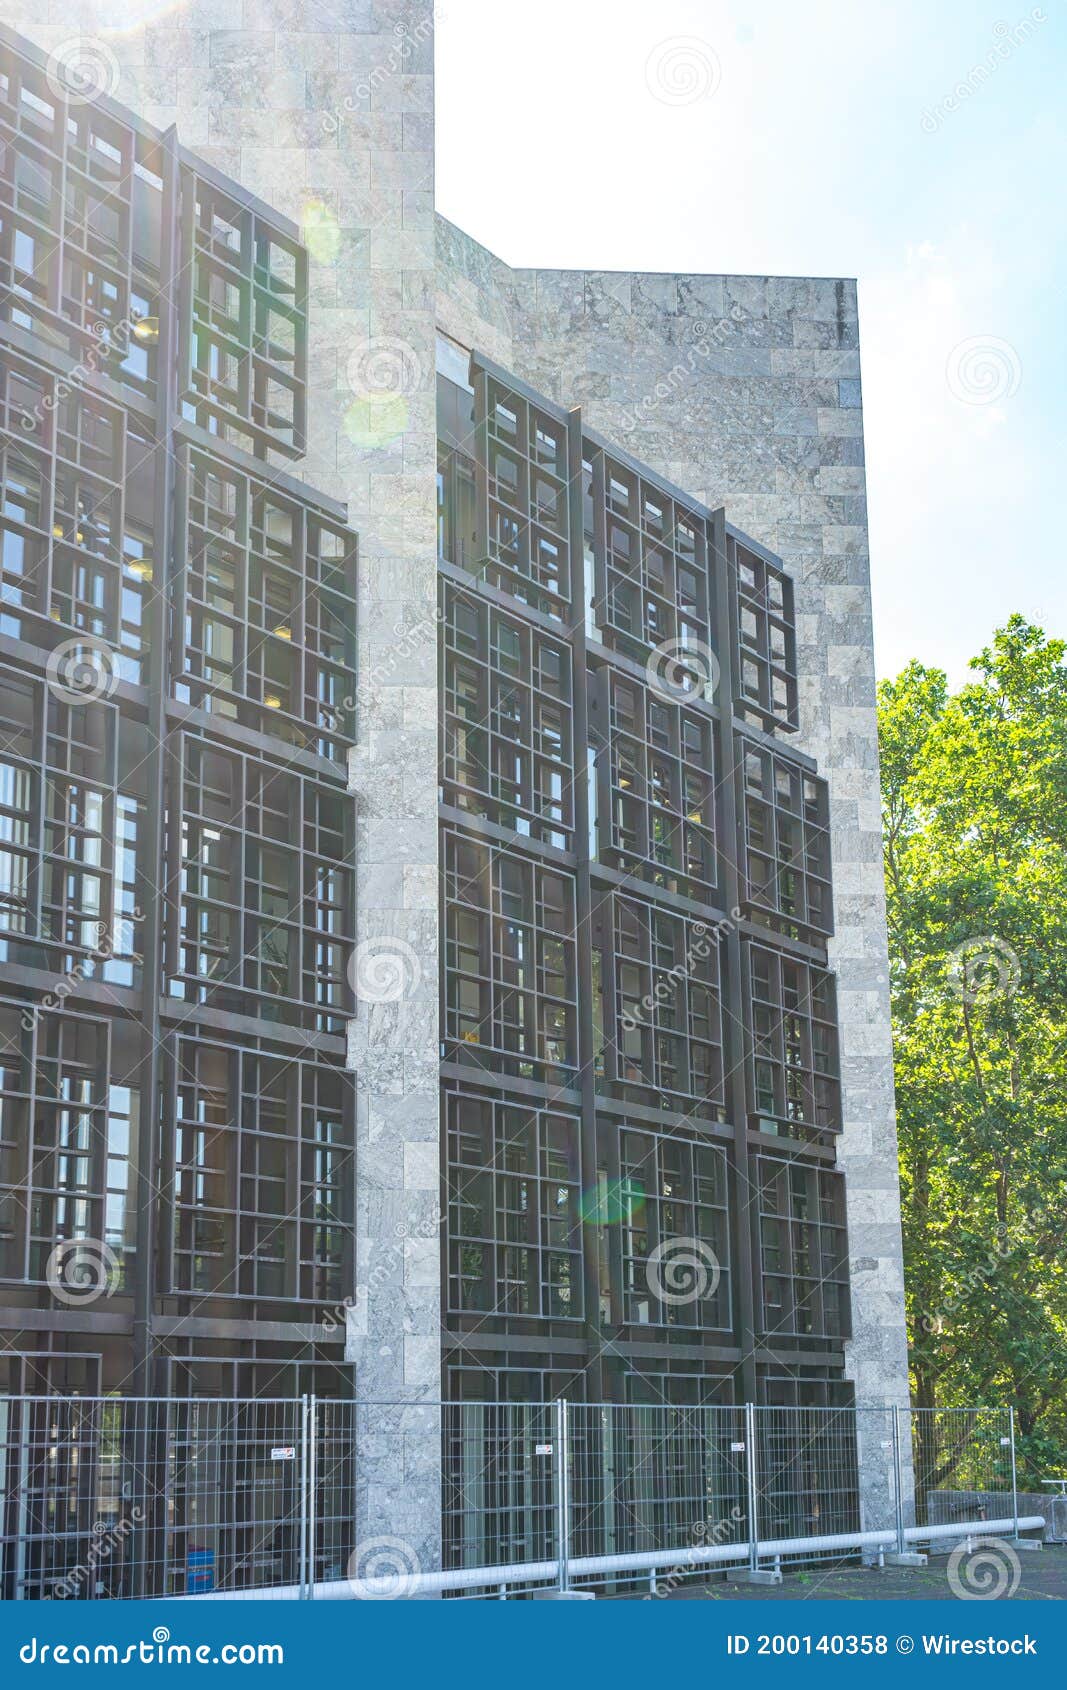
(492,1402)
(588,1566)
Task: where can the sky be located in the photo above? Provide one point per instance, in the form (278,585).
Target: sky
(917,147)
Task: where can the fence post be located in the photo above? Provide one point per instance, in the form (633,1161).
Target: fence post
(303,1496)
(898,1481)
(756,1574)
(1014,1477)
(902,1556)
(1020,1542)
(562,1493)
(312,1469)
(750,1470)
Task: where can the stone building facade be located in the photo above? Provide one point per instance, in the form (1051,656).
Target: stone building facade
(744,391)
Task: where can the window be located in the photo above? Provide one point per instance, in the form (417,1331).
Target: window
(804,1250)
(787,843)
(68,1122)
(506,734)
(674,1233)
(269,596)
(795,1073)
(79,245)
(767,658)
(527,549)
(76,542)
(263,1176)
(266,908)
(651,564)
(245,359)
(509,963)
(72,798)
(657,785)
(514,1222)
(666,1051)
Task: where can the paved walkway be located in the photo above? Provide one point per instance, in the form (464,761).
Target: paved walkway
(1042,1578)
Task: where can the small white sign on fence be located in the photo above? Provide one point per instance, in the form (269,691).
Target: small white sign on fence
(283,1452)
(736,1448)
(542,1449)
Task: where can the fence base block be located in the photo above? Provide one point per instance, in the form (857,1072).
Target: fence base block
(564,1596)
(908,1558)
(1026,1543)
(760,1575)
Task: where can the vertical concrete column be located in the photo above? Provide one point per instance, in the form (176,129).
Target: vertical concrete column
(835,653)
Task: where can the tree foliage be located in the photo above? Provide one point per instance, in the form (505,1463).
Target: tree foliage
(974,788)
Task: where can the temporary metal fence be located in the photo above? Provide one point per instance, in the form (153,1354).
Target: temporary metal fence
(125,1497)
(964,1462)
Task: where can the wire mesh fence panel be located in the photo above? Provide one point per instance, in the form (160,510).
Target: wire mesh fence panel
(229,1514)
(962,1460)
(110,1497)
(807,1472)
(499,1490)
(655,1476)
(66,1520)
(885,1494)
(383,1507)
(334,1432)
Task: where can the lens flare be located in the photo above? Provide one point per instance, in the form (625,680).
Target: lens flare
(322,232)
(612,1201)
(137,13)
(376,420)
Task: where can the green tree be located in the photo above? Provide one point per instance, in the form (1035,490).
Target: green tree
(974,788)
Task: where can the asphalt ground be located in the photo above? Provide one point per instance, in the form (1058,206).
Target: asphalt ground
(1042,1577)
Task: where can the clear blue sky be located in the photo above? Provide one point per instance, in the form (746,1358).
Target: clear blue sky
(820,145)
